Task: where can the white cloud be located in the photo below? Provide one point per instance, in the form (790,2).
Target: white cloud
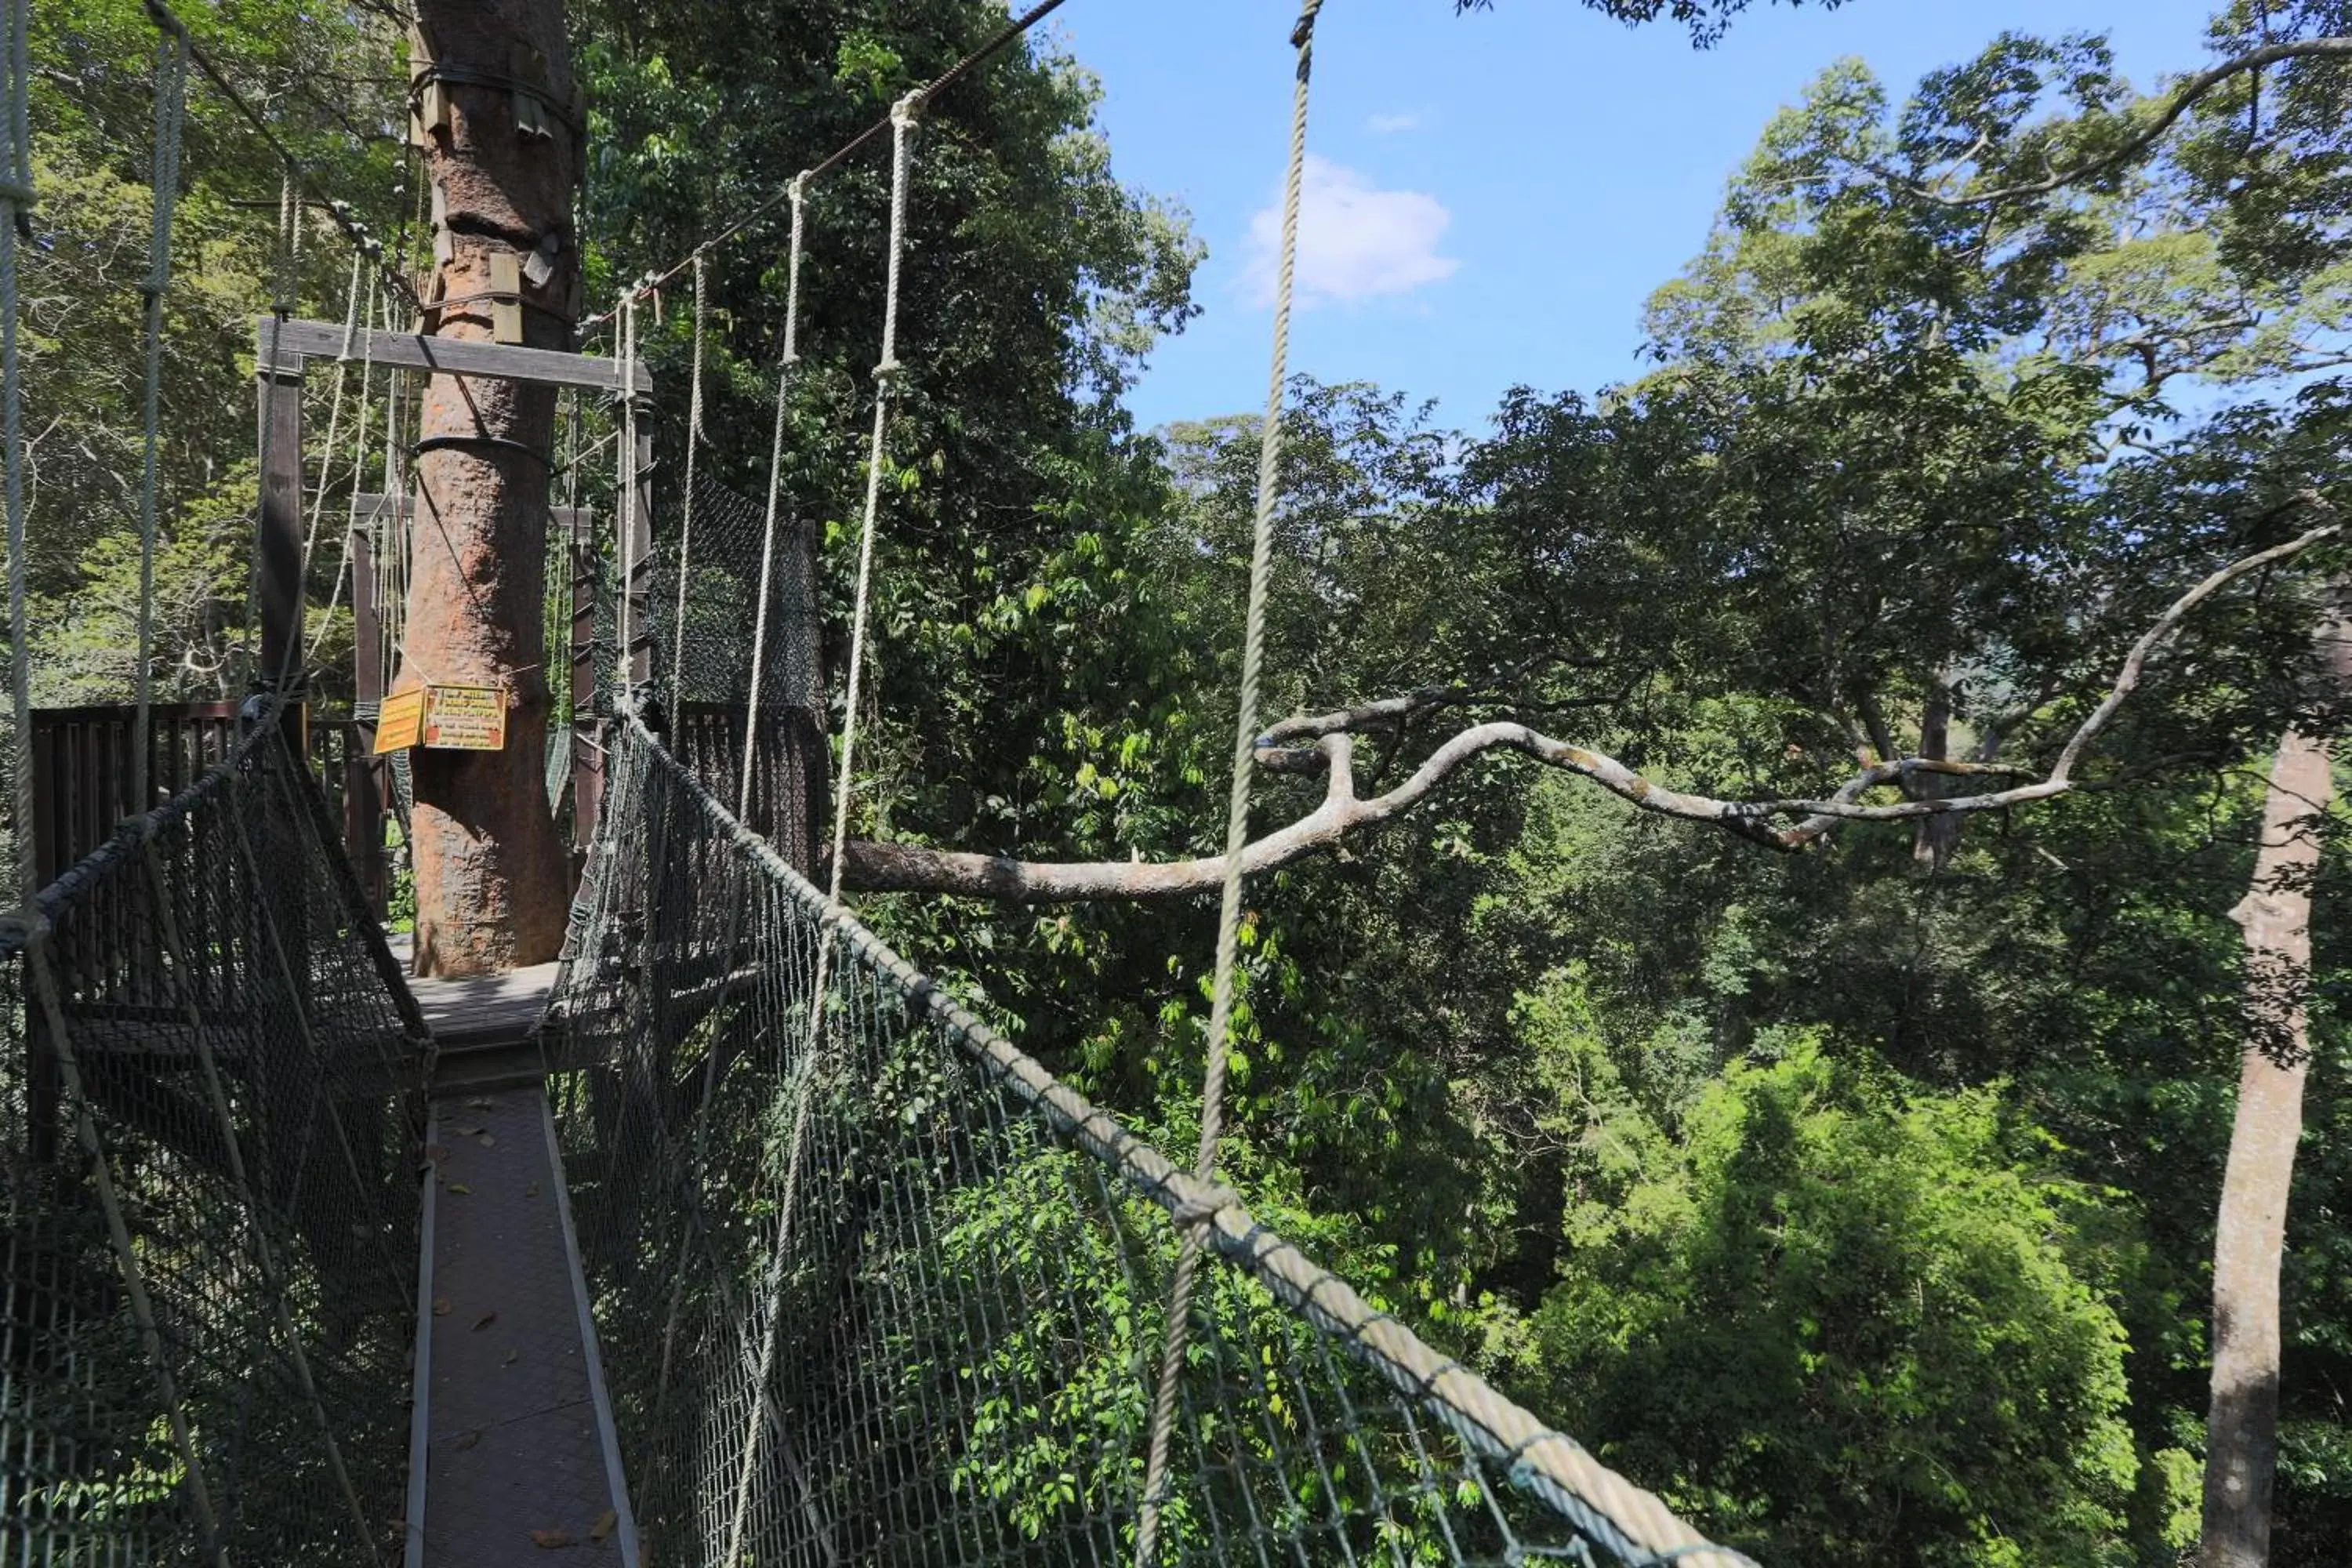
(1356,241)
(1392,124)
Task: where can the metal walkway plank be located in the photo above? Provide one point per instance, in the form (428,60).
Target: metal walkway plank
(519,1465)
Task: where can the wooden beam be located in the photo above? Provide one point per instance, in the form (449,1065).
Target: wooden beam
(587,730)
(365,777)
(373,505)
(285,345)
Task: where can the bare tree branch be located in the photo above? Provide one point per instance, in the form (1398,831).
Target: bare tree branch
(2183,99)
(1329,748)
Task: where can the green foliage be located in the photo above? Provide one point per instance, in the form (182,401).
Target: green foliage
(1835,1318)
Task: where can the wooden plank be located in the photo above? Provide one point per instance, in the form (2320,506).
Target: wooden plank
(287,345)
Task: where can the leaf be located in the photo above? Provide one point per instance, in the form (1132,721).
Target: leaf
(604,1525)
(531,1191)
(487,1141)
(549,1540)
(461,1187)
(440,1306)
(484,1321)
(484,1103)
(465,1440)
(512,1357)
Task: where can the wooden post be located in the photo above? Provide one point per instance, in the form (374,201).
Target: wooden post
(363,791)
(640,585)
(587,738)
(278,586)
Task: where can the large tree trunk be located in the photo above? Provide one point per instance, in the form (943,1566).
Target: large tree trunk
(492,876)
(2250,1234)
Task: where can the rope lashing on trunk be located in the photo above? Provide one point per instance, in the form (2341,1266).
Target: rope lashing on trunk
(1237,807)
(171,111)
(798,193)
(886,372)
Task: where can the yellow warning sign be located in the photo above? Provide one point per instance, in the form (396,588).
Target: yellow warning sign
(448,717)
(400,724)
(466,718)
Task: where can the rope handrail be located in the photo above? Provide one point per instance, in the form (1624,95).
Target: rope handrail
(1633,1523)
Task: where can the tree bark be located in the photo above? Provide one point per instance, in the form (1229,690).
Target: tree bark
(492,877)
(2250,1232)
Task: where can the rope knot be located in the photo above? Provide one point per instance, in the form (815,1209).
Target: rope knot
(1303,32)
(903,112)
(1212,1200)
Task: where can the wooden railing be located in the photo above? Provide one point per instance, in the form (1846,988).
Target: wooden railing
(82,778)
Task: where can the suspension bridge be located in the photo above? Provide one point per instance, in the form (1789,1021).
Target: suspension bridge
(729,1238)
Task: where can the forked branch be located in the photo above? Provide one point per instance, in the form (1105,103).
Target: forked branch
(2183,99)
(1325,743)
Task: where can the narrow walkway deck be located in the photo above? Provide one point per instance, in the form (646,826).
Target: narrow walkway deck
(496,1008)
(513,1453)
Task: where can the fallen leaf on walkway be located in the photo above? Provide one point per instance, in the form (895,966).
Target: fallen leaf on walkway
(549,1538)
(466,1131)
(481,1104)
(604,1525)
(487,1141)
(484,1321)
(440,1306)
(512,1357)
(461,1187)
(531,1191)
(467,1440)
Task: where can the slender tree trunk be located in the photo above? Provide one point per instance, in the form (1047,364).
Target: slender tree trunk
(2250,1235)
(492,877)
(1935,837)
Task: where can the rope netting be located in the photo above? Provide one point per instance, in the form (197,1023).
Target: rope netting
(209,1106)
(706,606)
(916,1286)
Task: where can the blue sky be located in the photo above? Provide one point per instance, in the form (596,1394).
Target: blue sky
(1493,195)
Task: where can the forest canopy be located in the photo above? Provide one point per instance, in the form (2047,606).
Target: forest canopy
(1858,1195)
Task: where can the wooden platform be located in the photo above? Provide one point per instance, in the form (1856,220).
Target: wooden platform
(497,1009)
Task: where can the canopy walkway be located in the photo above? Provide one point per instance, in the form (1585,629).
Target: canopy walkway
(729,1239)
(659,1278)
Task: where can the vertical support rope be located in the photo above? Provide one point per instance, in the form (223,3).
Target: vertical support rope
(16,198)
(171,106)
(775,478)
(686,507)
(627,509)
(1237,807)
(886,375)
(359,467)
(886,380)
(327,460)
